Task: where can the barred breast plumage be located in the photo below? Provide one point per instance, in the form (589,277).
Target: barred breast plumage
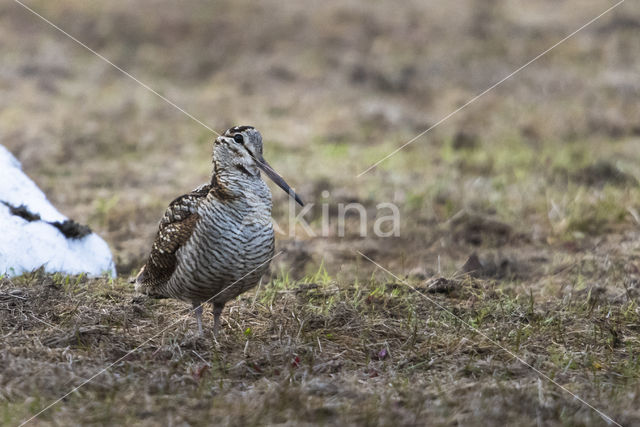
(217,241)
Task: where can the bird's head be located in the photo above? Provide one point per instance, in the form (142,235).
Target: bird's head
(240,148)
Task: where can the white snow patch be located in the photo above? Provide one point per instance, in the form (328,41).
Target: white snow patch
(26,246)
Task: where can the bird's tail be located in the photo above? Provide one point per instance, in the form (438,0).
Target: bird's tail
(138,279)
(140,286)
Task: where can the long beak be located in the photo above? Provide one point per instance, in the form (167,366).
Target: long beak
(275,177)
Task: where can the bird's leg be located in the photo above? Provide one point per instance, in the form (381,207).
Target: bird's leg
(217,311)
(197,309)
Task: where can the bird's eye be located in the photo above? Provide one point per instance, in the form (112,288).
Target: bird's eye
(238,138)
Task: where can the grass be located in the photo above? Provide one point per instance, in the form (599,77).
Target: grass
(538,179)
(317,350)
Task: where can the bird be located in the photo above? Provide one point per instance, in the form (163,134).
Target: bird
(217,241)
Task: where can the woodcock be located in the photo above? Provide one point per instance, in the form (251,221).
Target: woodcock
(217,241)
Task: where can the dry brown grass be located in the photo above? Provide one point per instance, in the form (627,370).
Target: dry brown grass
(366,353)
(539,178)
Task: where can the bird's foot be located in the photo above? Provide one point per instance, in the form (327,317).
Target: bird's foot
(197,309)
(217,311)
(194,341)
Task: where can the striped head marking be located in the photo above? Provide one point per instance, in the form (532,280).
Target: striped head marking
(240,148)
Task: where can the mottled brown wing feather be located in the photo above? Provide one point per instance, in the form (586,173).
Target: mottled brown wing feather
(176,226)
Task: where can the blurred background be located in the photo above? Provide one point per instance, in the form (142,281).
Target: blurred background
(532,188)
(545,164)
